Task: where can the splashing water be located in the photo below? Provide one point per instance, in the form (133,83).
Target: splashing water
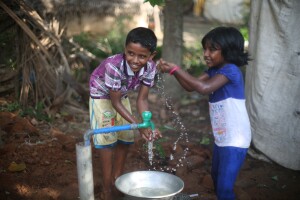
(177,122)
(150,150)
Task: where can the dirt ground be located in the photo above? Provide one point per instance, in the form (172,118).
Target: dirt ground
(38,159)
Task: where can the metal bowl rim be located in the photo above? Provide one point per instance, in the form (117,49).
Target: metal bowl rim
(147,197)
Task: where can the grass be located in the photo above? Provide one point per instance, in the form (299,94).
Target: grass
(36,112)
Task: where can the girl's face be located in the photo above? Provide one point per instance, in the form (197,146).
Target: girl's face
(137,56)
(213,55)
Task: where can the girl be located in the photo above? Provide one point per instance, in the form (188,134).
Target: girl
(223,82)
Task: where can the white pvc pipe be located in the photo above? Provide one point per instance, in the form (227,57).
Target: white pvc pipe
(85,171)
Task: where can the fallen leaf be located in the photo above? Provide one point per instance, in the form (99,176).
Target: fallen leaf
(14,167)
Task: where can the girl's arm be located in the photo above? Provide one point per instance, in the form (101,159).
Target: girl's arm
(171,68)
(203,84)
(186,85)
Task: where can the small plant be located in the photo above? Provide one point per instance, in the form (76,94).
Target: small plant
(12,107)
(36,112)
(205,140)
(158,147)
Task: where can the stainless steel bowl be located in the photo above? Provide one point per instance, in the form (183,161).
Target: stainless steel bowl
(140,185)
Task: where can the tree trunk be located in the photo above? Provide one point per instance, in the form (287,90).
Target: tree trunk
(173,42)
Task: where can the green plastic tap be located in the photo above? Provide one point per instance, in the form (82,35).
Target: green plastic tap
(147,123)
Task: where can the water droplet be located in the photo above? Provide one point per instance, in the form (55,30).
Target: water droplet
(176,123)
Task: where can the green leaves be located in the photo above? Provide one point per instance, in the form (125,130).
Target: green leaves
(205,141)
(166,127)
(155,2)
(274,178)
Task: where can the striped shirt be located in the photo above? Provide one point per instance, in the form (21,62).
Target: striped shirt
(114,74)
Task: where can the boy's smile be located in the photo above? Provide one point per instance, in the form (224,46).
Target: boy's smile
(137,56)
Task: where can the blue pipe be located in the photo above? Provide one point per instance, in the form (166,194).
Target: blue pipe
(115,128)
(147,123)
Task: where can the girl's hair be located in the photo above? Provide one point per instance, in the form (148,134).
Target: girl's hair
(143,36)
(231,43)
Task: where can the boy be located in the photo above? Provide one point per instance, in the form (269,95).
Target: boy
(109,105)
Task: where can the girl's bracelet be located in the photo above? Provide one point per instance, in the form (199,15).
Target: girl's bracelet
(174,69)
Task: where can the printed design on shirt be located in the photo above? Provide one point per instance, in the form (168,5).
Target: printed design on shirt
(108,118)
(217,113)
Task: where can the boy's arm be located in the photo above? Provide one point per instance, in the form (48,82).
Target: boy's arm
(142,105)
(115,97)
(142,99)
(120,108)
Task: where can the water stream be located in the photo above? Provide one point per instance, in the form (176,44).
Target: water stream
(177,124)
(150,151)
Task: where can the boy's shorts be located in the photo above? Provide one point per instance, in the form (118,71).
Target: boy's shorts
(102,114)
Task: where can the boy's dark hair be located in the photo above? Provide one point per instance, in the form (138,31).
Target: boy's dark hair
(231,42)
(143,36)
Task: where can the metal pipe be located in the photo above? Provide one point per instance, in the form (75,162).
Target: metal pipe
(83,151)
(85,171)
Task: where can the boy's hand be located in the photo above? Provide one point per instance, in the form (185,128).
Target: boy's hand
(150,135)
(156,134)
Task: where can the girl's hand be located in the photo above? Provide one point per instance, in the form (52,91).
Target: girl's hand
(165,67)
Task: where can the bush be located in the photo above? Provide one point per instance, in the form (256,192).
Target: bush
(192,60)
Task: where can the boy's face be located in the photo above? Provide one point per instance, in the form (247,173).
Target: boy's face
(137,56)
